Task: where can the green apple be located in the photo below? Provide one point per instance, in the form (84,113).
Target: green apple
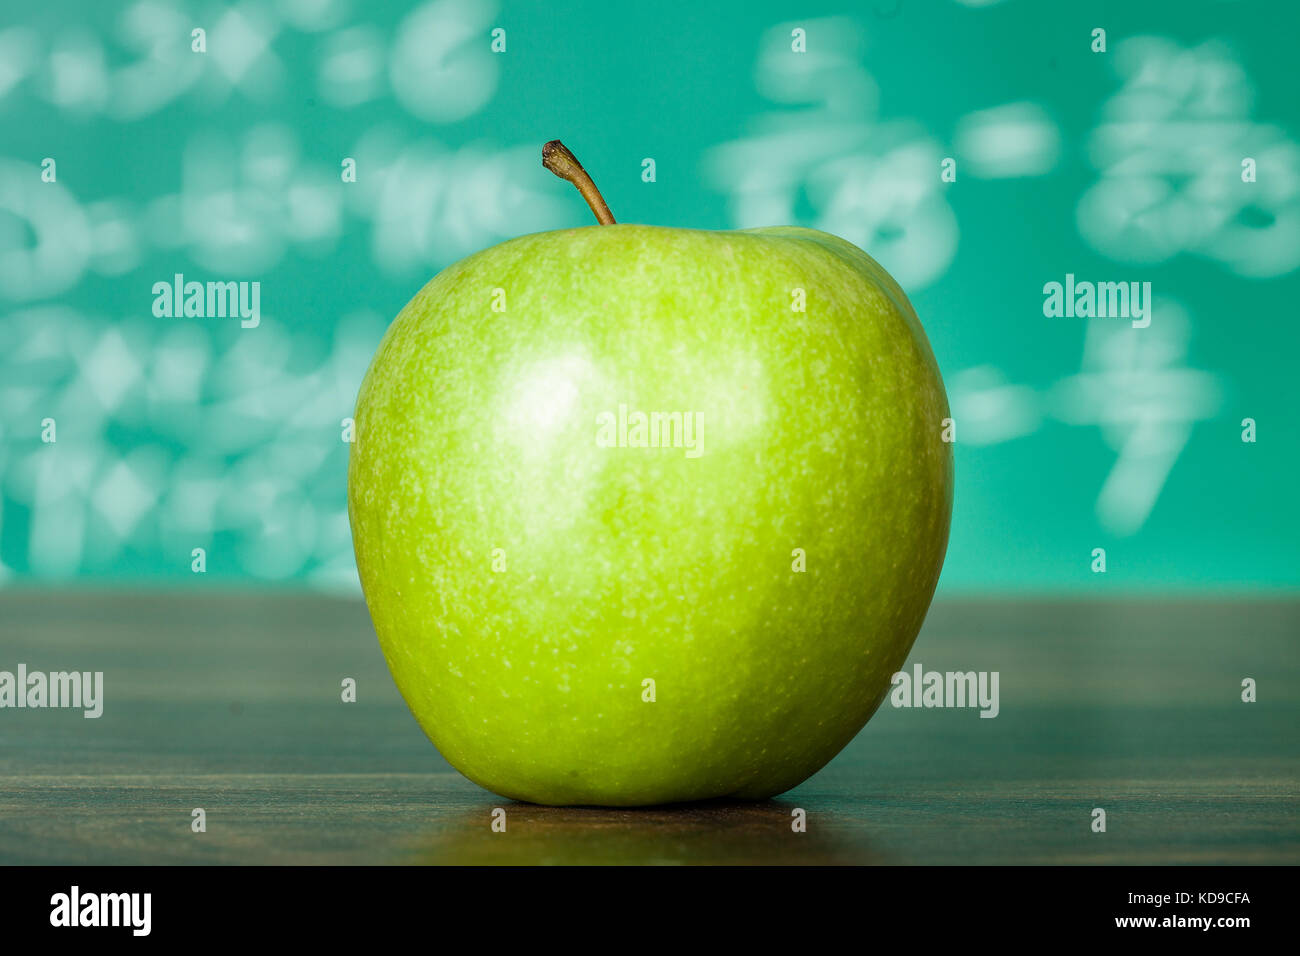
(648,515)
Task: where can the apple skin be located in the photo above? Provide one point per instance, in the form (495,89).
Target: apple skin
(820,430)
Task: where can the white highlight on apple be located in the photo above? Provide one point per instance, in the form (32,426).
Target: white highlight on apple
(547,394)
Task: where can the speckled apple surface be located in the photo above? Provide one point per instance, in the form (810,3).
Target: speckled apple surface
(525,582)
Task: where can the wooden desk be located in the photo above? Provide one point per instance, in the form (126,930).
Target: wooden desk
(231,702)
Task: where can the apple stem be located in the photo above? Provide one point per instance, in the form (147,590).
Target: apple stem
(558,159)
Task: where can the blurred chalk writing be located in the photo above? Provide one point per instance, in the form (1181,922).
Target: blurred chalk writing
(1133,384)
(1170,148)
(340,154)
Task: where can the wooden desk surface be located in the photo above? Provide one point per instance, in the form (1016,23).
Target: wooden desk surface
(232,703)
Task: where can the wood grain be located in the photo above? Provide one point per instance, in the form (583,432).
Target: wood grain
(231,703)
